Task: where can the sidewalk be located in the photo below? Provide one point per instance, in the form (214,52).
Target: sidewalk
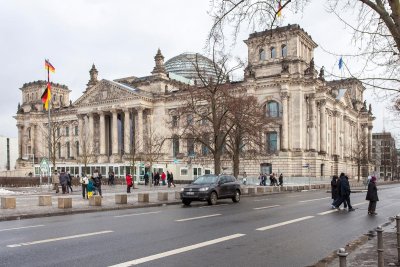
(363,251)
(27,201)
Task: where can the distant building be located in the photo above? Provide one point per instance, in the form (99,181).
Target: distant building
(384,155)
(8,153)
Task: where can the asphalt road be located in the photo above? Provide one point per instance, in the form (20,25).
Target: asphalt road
(290,229)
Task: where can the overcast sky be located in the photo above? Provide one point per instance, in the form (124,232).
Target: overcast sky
(122,36)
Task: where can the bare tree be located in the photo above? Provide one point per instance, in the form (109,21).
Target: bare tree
(375,23)
(86,151)
(360,155)
(248,121)
(134,156)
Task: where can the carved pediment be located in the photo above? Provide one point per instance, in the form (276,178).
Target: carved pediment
(104,92)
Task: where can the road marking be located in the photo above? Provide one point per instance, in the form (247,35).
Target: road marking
(213,206)
(57,239)
(261,199)
(136,214)
(361,203)
(284,223)
(25,227)
(327,212)
(267,207)
(315,199)
(177,251)
(196,218)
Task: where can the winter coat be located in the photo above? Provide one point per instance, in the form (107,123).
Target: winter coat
(372,193)
(90,186)
(55,178)
(163,176)
(344,186)
(128,178)
(64,178)
(334,188)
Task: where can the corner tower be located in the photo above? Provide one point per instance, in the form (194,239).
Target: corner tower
(286,49)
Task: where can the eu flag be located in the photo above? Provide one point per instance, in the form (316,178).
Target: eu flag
(340,63)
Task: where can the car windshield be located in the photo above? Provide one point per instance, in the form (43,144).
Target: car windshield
(210,179)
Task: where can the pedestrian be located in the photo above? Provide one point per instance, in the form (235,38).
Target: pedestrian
(146,178)
(84,183)
(69,182)
(129,184)
(334,189)
(110,178)
(163,177)
(271,179)
(170,178)
(64,181)
(156,179)
(97,182)
(90,187)
(281,179)
(372,196)
(344,192)
(55,180)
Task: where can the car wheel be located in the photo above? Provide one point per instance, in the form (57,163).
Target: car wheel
(236,198)
(213,198)
(186,202)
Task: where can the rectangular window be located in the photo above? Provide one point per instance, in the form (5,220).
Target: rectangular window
(67,131)
(207,171)
(175,120)
(184,171)
(196,172)
(76,130)
(68,150)
(272,138)
(190,147)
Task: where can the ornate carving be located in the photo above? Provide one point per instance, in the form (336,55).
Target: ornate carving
(310,69)
(322,73)
(285,67)
(284,95)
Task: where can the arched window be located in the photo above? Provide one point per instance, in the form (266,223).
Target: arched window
(284,50)
(273,52)
(272,109)
(261,54)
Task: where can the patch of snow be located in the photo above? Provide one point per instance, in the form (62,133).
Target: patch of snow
(4,192)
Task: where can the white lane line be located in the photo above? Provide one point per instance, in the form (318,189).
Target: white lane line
(24,227)
(213,206)
(267,207)
(284,223)
(177,251)
(136,214)
(315,199)
(256,200)
(196,218)
(335,210)
(57,239)
(361,203)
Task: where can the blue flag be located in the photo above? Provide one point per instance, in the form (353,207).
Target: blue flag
(340,63)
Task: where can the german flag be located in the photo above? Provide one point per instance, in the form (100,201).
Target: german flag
(48,66)
(46,96)
(279,13)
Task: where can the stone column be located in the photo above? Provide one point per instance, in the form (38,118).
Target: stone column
(33,140)
(20,140)
(127,131)
(102,133)
(313,124)
(114,132)
(323,126)
(90,135)
(140,129)
(285,120)
(366,140)
(80,133)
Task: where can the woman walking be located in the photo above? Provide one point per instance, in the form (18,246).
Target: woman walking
(372,196)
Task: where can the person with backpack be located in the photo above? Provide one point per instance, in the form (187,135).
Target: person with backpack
(372,196)
(64,181)
(90,188)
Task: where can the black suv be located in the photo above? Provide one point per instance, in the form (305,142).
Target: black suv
(210,188)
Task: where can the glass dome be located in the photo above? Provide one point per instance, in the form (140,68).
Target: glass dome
(184,65)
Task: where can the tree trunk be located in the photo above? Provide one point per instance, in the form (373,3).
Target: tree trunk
(217,163)
(358,171)
(235,164)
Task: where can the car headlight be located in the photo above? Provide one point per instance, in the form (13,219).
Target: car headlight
(182,189)
(203,189)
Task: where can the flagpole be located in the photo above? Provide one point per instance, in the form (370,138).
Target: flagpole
(49,141)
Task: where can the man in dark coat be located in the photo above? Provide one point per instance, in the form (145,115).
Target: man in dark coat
(344,192)
(64,181)
(334,187)
(372,196)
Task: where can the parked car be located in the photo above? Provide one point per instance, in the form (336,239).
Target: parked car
(210,188)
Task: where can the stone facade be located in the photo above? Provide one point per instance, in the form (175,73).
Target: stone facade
(317,122)
(384,156)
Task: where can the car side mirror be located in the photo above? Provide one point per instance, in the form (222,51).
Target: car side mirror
(220,182)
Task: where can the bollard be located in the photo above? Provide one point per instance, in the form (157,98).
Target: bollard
(379,232)
(398,237)
(342,257)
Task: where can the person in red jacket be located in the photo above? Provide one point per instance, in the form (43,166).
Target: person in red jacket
(128,178)
(163,177)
